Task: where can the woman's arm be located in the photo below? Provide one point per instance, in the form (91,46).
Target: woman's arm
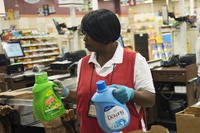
(144,98)
(144,93)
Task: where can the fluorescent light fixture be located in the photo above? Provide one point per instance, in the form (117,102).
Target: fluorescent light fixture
(68,3)
(31,1)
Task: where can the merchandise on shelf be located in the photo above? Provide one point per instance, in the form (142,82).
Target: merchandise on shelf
(160,46)
(38,50)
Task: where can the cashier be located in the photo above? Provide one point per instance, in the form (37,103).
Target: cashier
(109,61)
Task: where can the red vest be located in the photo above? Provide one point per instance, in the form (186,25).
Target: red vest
(122,74)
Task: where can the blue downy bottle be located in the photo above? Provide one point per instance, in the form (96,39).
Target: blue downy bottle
(112,116)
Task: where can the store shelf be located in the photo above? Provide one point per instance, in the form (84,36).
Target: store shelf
(39,44)
(39,61)
(39,55)
(33,36)
(38,50)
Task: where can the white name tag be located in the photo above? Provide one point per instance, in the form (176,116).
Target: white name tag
(92,110)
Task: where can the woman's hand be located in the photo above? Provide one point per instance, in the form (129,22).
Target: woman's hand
(123,93)
(60,89)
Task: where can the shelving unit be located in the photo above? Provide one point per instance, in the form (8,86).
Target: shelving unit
(39,49)
(141,22)
(127,37)
(170,101)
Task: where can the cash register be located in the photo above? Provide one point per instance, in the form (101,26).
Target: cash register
(68,61)
(11,51)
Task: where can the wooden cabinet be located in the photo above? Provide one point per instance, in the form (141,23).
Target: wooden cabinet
(174,74)
(176,89)
(19,81)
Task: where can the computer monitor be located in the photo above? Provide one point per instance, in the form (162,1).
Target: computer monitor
(13,49)
(59,27)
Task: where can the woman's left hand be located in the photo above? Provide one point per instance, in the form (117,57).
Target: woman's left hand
(60,89)
(123,93)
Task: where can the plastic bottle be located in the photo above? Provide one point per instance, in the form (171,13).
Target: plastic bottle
(46,105)
(112,116)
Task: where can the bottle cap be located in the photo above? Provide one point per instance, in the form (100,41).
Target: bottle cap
(41,77)
(101,85)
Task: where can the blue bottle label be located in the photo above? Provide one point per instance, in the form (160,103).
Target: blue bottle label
(116,117)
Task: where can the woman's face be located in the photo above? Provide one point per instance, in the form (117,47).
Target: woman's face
(91,44)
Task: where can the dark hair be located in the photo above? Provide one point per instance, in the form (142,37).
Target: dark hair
(101,25)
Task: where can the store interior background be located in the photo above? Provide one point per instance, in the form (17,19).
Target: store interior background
(29,19)
(141,18)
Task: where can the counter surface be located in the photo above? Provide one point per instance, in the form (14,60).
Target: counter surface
(23,103)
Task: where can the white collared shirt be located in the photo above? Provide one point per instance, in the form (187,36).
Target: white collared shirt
(142,73)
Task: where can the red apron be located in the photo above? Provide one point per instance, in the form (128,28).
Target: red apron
(122,74)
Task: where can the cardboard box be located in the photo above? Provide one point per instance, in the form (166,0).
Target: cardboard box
(54,126)
(154,129)
(188,120)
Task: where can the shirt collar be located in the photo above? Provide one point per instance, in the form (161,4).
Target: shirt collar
(116,59)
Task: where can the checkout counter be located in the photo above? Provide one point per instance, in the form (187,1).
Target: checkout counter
(16,92)
(27,78)
(17,78)
(21,101)
(16,85)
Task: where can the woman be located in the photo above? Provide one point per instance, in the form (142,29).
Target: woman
(127,70)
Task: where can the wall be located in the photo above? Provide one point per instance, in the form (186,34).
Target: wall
(191,34)
(27,9)
(29,19)
(40,23)
(30,9)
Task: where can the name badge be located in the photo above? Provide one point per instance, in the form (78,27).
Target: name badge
(92,110)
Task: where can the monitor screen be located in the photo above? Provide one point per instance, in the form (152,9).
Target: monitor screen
(12,49)
(58,27)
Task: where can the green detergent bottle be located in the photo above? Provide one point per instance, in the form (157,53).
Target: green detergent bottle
(46,105)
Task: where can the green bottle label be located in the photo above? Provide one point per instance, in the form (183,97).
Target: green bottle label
(52,104)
